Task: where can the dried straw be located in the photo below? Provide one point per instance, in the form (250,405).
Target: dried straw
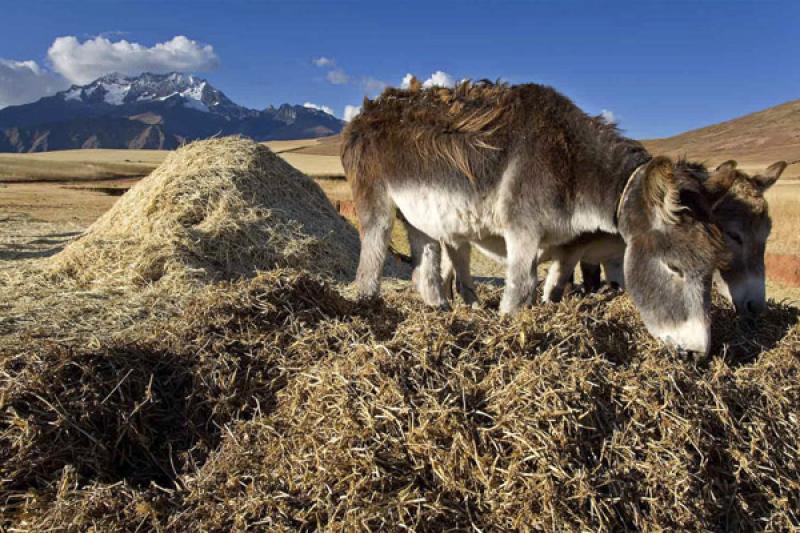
(215,209)
(274,403)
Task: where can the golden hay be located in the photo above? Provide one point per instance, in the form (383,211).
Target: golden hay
(275,404)
(215,209)
(182,393)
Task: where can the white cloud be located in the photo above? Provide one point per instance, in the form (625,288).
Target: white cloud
(338,77)
(22,82)
(350,112)
(83,62)
(439,79)
(323,61)
(327,109)
(609,116)
(406,83)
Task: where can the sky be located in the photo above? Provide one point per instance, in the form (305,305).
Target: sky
(656,68)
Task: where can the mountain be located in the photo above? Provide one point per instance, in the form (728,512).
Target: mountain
(158,111)
(755,140)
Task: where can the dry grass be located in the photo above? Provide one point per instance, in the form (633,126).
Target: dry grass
(276,404)
(70,165)
(104,164)
(784,208)
(215,396)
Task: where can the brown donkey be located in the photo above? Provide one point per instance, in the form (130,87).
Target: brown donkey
(521,165)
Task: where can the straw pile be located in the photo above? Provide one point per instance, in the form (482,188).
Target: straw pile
(276,404)
(271,402)
(215,209)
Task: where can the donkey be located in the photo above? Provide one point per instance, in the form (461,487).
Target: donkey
(523,166)
(738,207)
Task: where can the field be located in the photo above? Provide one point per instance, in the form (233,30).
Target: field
(50,187)
(197,357)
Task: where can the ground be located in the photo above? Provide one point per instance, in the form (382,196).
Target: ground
(144,386)
(46,199)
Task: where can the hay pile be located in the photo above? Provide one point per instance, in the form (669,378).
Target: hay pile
(271,402)
(215,209)
(276,404)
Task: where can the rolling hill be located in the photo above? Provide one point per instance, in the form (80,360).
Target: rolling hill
(755,140)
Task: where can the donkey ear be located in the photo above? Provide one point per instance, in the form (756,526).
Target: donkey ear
(771,175)
(661,191)
(722,179)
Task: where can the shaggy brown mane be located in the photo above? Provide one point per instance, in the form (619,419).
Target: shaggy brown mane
(471,126)
(449,124)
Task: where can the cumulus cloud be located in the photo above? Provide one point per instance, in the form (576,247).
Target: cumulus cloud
(83,62)
(437,79)
(338,77)
(350,112)
(323,61)
(406,83)
(327,109)
(609,116)
(22,82)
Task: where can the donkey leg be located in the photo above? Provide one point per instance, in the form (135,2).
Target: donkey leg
(429,282)
(460,258)
(416,244)
(375,215)
(615,272)
(591,277)
(559,275)
(448,273)
(426,256)
(522,251)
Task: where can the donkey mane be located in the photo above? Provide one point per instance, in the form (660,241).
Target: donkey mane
(474,124)
(453,125)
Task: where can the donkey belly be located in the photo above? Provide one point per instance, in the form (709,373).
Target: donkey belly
(493,247)
(604,248)
(449,216)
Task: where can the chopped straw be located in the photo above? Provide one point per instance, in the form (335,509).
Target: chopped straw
(273,402)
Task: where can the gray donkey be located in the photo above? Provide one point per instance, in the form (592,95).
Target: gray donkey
(738,207)
(522,166)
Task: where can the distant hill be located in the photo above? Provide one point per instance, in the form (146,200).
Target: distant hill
(755,140)
(156,111)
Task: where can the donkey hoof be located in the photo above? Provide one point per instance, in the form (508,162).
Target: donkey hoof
(443,306)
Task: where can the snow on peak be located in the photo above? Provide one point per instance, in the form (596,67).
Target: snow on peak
(116,89)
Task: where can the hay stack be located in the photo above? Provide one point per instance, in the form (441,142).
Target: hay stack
(215,209)
(274,404)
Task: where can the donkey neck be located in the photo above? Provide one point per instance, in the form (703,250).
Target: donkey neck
(617,159)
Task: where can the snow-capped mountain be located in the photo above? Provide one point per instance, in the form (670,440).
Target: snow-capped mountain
(149,111)
(193,92)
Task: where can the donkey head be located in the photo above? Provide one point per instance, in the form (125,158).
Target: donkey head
(740,210)
(672,251)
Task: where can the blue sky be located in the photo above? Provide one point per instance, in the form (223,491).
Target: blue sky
(660,67)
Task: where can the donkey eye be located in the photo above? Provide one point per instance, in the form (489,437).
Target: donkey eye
(675,270)
(735,237)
